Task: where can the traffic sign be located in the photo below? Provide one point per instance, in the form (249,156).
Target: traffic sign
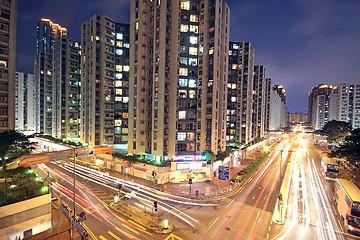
(223,172)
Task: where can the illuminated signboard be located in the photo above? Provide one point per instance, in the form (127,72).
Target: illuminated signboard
(189,166)
(185,158)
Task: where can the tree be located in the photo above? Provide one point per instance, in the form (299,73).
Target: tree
(13,145)
(350,148)
(336,130)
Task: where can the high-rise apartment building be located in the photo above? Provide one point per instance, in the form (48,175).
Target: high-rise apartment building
(240,89)
(97,81)
(297,118)
(259,105)
(178,77)
(322,89)
(66,89)
(319,105)
(24,101)
(8,19)
(47,33)
(268,89)
(348,104)
(278,109)
(121,113)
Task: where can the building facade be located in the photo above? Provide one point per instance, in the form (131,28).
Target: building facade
(268,90)
(178,77)
(319,105)
(348,104)
(97,81)
(259,105)
(240,88)
(278,109)
(47,33)
(8,20)
(121,113)
(66,89)
(297,118)
(24,101)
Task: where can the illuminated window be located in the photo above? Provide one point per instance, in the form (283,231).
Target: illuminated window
(125,99)
(182,93)
(194,18)
(233,86)
(235,46)
(118,123)
(181,136)
(191,136)
(182,114)
(126,68)
(136,25)
(126,45)
(4,64)
(211,50)
(118,83)
(119,43)
(193,51)
(118,91)
(185,5)
(119,68)
(119,51)
(184,28)
(118,75)
(193,40)
(125,115)
(183,72)
(234,66)
(183,82)
(193,61)
(192,83)
(233,99)
(119,36)
(232,131)
(184,60)
(194,29)
(124,131)
(192,94)
(118,99)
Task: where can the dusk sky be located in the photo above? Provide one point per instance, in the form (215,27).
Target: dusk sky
(301,43)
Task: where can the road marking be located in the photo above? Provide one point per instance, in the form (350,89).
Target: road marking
(140,205)
(148,204)
(131,229)
(267,236)
(173,237)
(102,238)
(114,236)
(138,225)
(269,228)
(341,226)
(125,233)
(334,210)
(253,197)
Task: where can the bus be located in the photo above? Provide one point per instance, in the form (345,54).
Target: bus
(347,200)
(329,168)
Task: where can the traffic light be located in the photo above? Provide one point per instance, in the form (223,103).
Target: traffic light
(155,205)
(190,181)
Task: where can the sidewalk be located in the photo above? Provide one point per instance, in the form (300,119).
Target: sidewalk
(183,189)
(60,226)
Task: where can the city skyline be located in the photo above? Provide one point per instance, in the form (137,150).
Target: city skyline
(297,41)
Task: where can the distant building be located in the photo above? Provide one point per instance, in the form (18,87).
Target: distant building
(259,104)
(348,104)
(178,77)
(319,105)
(24,101)
(240,92)
(297,118)
(66,89)
(47,33)
(278,108)
(268,90)
(8,19)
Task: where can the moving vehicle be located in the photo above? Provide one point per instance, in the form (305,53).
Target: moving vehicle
(347,200)
(329,168)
